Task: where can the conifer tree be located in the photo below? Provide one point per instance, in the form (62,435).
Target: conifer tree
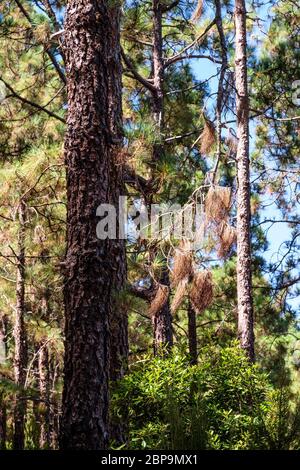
(244,260)
(94,269)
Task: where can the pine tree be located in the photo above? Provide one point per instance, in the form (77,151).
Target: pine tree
(94,268)
(244,263)
(20,336)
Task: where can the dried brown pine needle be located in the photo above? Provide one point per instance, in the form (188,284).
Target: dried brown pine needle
(208,137)
(160,299)
(182,263)
(198,11)
(227,237)
(201,293)
(180,292)
(232,143)
(217,203)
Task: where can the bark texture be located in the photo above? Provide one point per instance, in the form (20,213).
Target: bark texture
(20,355)
(95,269)
(244,264)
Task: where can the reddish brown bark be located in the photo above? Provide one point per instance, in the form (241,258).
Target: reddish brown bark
(95,269)
(20,355)
(244,265)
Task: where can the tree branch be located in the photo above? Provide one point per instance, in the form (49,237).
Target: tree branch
(193,44)
(191,56)
(31,103)
(49,53)
(135,74)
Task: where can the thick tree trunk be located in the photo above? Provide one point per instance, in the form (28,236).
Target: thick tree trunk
(192,333)
(244,265)
(20,356)
(95,269)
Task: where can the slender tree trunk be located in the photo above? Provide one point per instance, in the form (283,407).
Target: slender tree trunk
(36,414)
(3,337)
(220,95)
(3,424)
(3,355)
(44,376)
(20,357)
(158,70)
(54,405)
(192,333)
(244,265)
(162,321)
(44,387)
(94,268)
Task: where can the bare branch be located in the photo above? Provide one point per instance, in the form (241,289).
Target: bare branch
(190,46)
(135,74)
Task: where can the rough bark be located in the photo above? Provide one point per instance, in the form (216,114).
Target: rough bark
(94,268)
(244,265)
(20,355)
(192,334)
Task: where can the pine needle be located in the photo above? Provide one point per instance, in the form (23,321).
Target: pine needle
(217,203)
(160,300)
(179,294)
(198,11)
(227,237)
(208,138)
(182,263)
(201,293)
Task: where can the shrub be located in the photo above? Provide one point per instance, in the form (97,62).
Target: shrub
(221,403)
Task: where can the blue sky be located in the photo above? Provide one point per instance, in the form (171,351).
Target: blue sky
(277,234)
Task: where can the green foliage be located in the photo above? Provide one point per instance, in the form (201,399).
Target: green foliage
(222,403)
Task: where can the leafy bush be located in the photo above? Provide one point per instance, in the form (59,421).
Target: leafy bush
(222,403)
